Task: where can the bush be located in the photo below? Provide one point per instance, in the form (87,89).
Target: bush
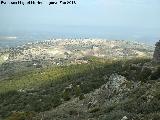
(81,97)
(66,95)
(144,74)
(93,110)
(21,116)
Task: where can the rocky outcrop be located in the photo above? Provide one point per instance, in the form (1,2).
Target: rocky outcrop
(103,98)
(156,56)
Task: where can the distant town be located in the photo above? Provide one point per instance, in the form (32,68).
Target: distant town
(61,51)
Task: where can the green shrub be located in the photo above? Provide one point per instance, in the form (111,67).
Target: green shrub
(21,116)
(81,97)
(77,90)
(144,74)
(73,112)
(66,95)
(95,109)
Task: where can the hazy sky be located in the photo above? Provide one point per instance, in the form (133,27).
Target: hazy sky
(141,15)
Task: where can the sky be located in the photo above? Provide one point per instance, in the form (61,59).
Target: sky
(133,18)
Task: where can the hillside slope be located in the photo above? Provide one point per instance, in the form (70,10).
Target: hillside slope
(101,89)
(122,97)
(79,80)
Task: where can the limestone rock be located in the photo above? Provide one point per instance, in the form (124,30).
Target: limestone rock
(124,118)
(156,56)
